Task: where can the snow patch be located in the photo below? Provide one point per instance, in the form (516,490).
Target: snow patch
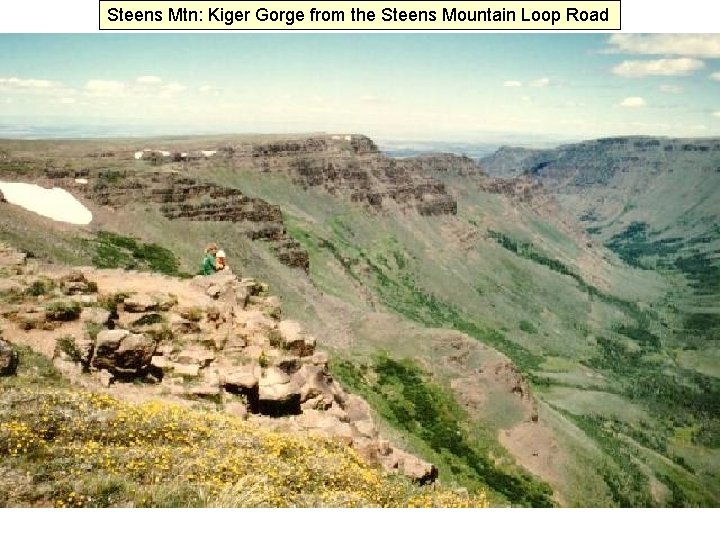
(55,203)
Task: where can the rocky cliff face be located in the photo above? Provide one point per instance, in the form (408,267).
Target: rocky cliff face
(217,340)
(350,167)
(184,198)
(597,162)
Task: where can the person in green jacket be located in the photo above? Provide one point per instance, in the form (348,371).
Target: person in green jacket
(208,263)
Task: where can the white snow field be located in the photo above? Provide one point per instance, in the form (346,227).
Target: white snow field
(55,203)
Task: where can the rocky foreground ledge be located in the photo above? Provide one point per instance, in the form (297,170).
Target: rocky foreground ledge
(217,341)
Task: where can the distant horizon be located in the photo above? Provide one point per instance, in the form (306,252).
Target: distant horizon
(449,87)
(37,132)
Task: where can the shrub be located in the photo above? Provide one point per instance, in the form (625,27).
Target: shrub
(527,326)
(39,287)
(67,345)
(148,319)
(93,329)
(62,311)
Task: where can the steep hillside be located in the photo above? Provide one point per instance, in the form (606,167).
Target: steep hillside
(654,202)
(427,277)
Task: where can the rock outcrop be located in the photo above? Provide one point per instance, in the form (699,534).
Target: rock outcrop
(8,359)
(218,339)
(179,197)
(350,167)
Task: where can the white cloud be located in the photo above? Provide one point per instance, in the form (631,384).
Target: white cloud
(703,45)
(512,84)
(670,88)
(14,83)
(716,114)
(143,87)
(149,79)
(715,76)
(540,83)
(206,88)
(67,100)
(97,87)
(662,67)
(633,102)
(173,88)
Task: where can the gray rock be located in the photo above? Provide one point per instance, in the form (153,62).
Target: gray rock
(109,340)
(75,287)
(140,303)
(95,315)
(186,370)
(122,352)
(9,359)
(9,286)
(213,291)
(241,377)
(199,356)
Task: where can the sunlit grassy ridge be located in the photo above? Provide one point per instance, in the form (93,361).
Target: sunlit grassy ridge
(82,449)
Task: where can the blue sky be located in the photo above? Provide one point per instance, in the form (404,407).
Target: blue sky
(467,87)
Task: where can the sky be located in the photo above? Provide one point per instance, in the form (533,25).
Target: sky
(421,86)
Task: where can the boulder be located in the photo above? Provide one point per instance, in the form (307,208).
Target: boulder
(274,376)
(95,315)
(135,351)
(87,299)
(208,387)
(108,341)
(196,355)
(357,408)
(253,352)
(165,301)
(293,338)
(186,370)
(74,276)
(321,422)
(241,377)
(255,322)
(140,303)
(336,411)
(213,291)
(12,258)
(75,287)
(8,359)
(277,394)
(314,382)
(122,352)
(182,325)
(8,286)
(234,344)
(365,428)
(160,362)
(420,471)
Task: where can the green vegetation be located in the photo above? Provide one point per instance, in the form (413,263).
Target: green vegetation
(62,311)
(634,246)
(149,318)
(116,251)
(40,287)
(409,400)
(67,345)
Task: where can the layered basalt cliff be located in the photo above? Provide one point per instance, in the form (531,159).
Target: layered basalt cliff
(349,167)
(184,198)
